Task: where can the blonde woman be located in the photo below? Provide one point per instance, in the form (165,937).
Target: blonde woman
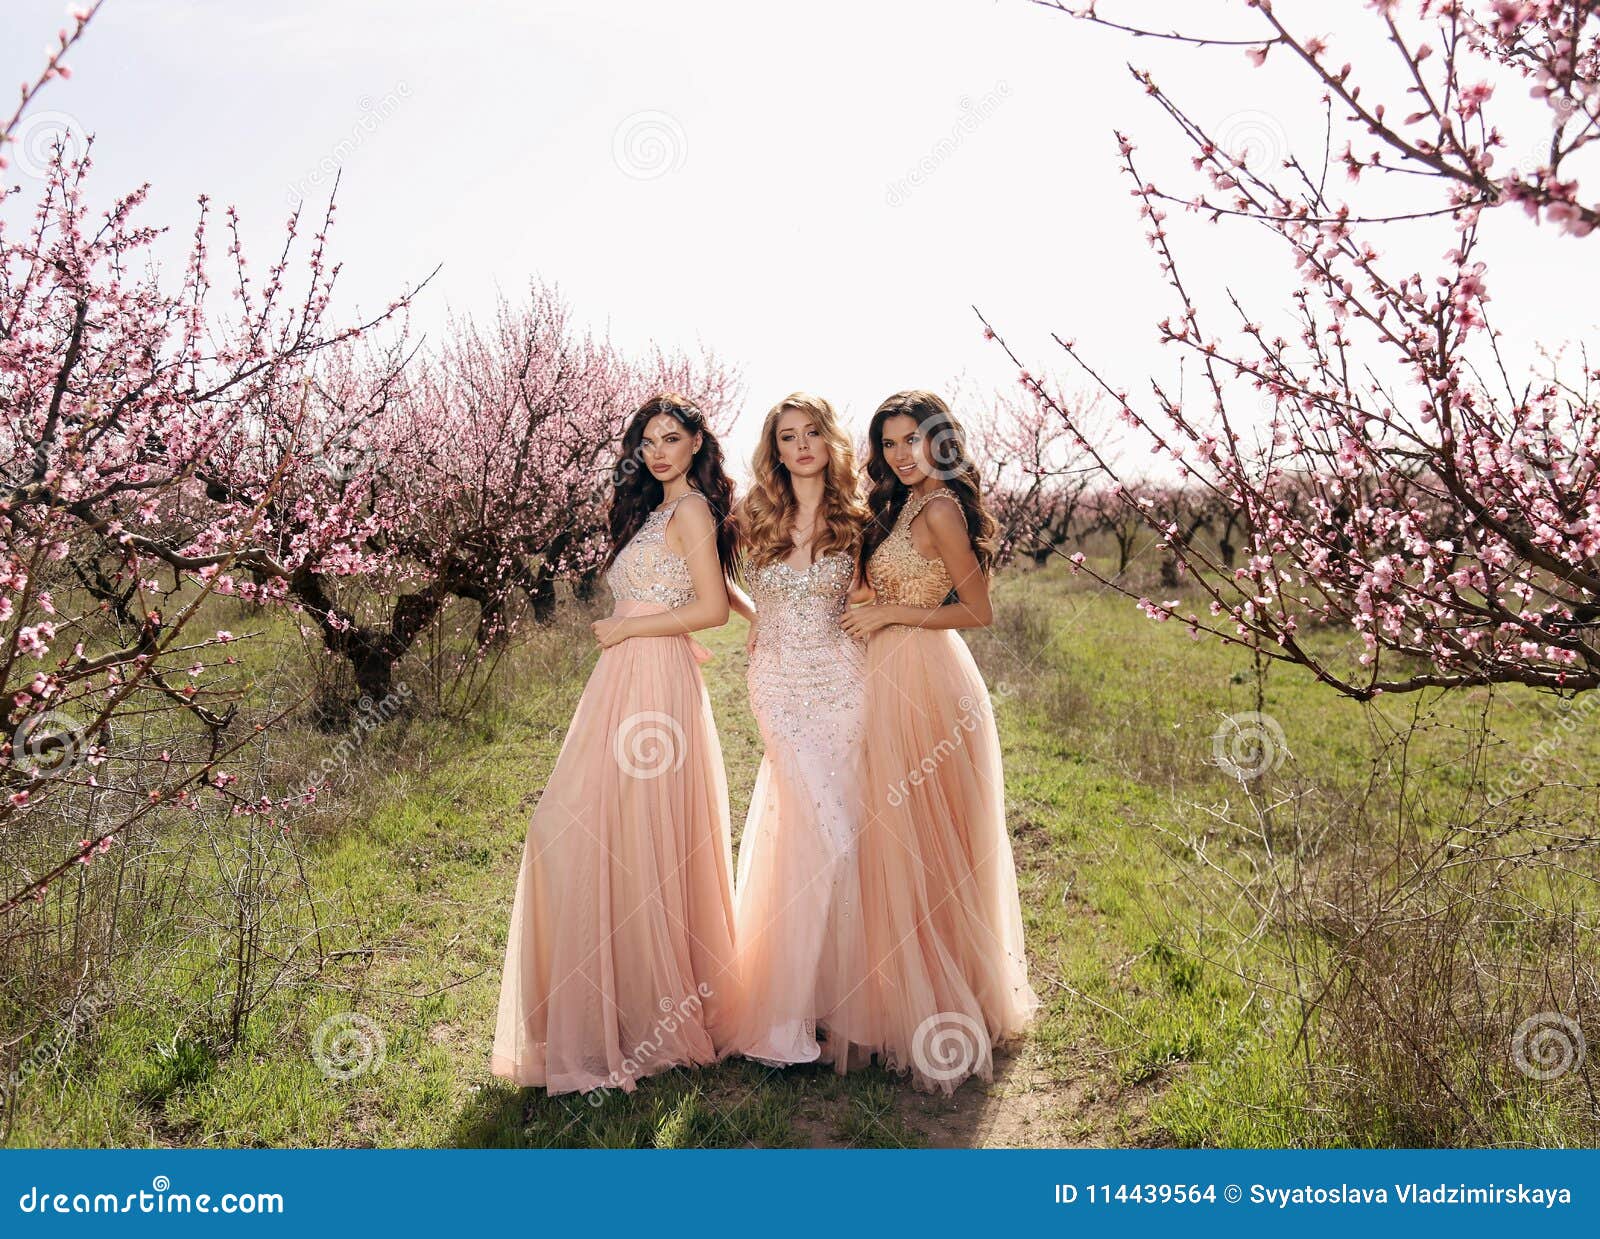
(797,910)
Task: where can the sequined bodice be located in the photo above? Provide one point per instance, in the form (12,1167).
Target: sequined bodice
(900,573)
(807,673)
(647,569)
(800,607)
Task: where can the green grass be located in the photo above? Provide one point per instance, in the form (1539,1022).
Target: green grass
(1155,1029)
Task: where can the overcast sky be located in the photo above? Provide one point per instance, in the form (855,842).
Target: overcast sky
(819,191)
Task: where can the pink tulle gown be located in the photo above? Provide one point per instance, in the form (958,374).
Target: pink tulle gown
(620,961)
(797,906)
(948,977)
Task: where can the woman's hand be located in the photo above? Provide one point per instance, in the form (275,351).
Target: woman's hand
(862,622)
(861,593)
(608,631)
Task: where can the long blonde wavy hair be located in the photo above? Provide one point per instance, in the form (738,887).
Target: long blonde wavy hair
(767,516)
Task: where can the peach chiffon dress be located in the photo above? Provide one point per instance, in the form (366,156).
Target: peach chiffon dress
(948,979)
(797,906)
(619,959)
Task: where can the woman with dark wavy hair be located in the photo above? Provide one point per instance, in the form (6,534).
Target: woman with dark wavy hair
(947,979)
(620,961)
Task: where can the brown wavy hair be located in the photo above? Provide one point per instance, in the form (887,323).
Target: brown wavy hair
(947,452)
(635,492)
(766,519)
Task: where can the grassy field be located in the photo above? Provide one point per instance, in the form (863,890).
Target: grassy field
(1142,898)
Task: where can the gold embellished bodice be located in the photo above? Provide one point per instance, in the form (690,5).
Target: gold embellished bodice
(901,574)
(647,569)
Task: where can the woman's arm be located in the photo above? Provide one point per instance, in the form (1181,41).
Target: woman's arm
(860,591)
(971,610)
(740,602)
(737,598)
(693,534)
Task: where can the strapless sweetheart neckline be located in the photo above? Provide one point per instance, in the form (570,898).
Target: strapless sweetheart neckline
(821,559)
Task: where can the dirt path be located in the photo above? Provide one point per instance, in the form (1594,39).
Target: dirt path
(1039,1098)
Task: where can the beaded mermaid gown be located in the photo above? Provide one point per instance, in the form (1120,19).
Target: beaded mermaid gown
(797,902)
(948,977)
(619,958)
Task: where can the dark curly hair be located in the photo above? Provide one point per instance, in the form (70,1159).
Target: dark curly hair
(635,492)
(947,444)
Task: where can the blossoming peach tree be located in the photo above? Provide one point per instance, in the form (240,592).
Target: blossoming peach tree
(1035,479)
(178,461)
(474,471)
(116,395)
(1392,473)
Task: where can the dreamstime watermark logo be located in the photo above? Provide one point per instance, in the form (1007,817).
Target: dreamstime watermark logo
(49,745)
(1252,139)
(1538,760)
(348,1045)
(649,744)
(625,468)
(972,115)
(1292,372)
(948,1045)
(1249,745)
(369,715)
(639,1057)
(1225,1065)
(76,1011)
(1532,161)
(158,1198)
(1548,1045)
(343,455)
(32,143)
(373,114)
(971,718)
(1536,158)
(613,477)
(647,145)
(946,448)
(1541,468)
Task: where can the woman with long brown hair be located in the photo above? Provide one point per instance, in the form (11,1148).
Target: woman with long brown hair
(947,977)
(620,960)
(797,903)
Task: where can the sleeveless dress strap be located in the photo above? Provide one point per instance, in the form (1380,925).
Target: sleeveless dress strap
(696,650)
(671,505)
(917,505)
